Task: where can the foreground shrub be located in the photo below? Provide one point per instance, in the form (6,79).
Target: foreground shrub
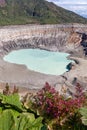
(83,112)
(45,109)
(13,115)
(25,121)
(57,110)
(53,105)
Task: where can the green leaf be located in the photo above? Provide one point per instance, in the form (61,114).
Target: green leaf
(27,121)
(84,120)
(83,112)
(0,109)
(44,127)
(7,121)
(12,100)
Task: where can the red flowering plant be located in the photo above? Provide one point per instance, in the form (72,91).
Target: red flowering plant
(79,96)
(52,105)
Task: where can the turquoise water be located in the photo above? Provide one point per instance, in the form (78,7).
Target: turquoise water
(40,60)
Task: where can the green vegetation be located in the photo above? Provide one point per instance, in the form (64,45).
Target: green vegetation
(46,110)
(36,11)
(13,115)
(83,112)
(25,121)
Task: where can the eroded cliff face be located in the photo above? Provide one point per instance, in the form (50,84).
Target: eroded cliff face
(50,37)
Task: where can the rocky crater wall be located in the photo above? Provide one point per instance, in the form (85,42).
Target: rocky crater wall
(50,37)
(65,38)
